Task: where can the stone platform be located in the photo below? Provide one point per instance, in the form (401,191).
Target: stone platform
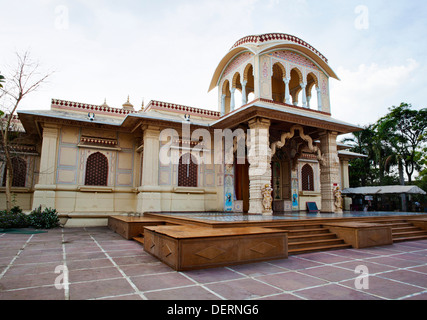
(196,241)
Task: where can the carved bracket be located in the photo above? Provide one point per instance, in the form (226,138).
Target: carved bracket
(289,135)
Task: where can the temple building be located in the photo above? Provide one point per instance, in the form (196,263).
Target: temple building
(273,89)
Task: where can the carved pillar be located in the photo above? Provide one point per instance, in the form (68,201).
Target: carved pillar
(223,104)
(329,172)
(244,96)
(304,95)
(259,158)
(287,91)
(319,98)
(233,102)
(345,182)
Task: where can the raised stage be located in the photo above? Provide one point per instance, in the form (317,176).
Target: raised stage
(188,241)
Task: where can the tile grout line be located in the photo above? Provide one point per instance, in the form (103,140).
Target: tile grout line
(283,291)
(412,295)
(377,274)
(134,287)
(16,257)
(202,285)
(339,282)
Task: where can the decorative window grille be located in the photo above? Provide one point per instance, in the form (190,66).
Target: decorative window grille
(96,170)
(307,176)
(187,171)
(19,173)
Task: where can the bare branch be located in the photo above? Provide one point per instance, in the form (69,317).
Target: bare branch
(25,79)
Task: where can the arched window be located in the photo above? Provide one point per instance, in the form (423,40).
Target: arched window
(313,95)
(96,170)
(19,173)
(225,98)
(295,86)
(187,171)
(278,87)
(307,178)
(248,77)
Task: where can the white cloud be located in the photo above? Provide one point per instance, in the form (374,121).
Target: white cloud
(365,94)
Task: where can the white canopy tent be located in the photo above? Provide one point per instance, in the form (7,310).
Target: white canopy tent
(384,190)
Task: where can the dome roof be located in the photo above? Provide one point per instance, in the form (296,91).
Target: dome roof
(268,42)
(274,37)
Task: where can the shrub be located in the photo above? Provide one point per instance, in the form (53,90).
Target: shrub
(47,219)
(13,219)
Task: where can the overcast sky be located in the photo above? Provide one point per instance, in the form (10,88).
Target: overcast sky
(168,50)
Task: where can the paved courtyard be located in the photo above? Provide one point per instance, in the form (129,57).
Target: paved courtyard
(95,263)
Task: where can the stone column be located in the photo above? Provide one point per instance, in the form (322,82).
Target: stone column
(319,98)
(148,198)
(150,171)
(223,104)
(345,181)
(233,102)
(44,194)
(308,101)
(259,158)
(244,96)
(329,172)
(304,95)
(287,91)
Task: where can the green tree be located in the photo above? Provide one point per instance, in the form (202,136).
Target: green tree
(362,171)
(404,130)
(421,180)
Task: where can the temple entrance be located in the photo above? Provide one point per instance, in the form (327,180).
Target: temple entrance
(281,183)
(241,183)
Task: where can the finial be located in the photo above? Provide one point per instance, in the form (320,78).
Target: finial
(127,105)
(105,103)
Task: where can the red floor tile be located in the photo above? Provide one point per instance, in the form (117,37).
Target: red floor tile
(161,281)
(99,289)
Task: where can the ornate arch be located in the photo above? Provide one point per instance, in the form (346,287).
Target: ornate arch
(246,71)
(298,71)
(225,89)
(315,81)
(289,135)
(281,66)
(236,80)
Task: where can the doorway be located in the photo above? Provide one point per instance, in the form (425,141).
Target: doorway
(281,183)
(241,184)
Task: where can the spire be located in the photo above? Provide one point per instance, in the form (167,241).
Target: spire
(128,106)
(105,104)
